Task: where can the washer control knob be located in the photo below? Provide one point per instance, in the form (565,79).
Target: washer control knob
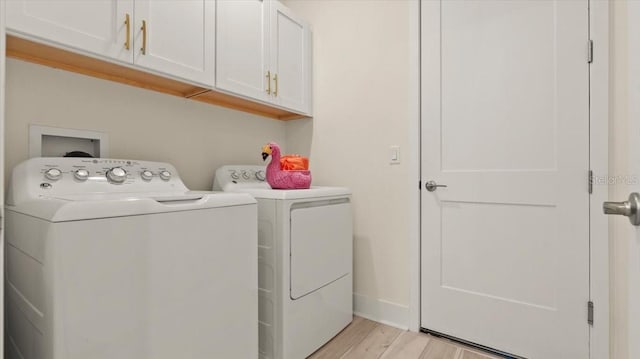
(234,175)
(117,175)
(53,174)
(146,175)
(245,175)
(81,174)
(260,175)
(165,175)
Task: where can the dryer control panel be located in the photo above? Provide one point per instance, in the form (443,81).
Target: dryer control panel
(50,176)
(240,176)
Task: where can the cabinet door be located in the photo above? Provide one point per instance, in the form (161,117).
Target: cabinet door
(177,39)
(96,26)
(290,59)
(241,48)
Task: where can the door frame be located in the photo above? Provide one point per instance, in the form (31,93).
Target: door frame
(599,337)
(599,162)
(2,112)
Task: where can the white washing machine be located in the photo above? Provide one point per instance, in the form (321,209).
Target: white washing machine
(117,259)
(305,257)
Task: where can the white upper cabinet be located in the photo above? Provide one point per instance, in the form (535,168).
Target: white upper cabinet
(263,52)
(290,59)
(176,38)
(96,26)
(256,49)
(241,48)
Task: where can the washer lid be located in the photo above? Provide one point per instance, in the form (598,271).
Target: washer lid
(74,207)
(286,194)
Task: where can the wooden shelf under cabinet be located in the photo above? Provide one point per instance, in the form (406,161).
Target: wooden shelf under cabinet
(46,55)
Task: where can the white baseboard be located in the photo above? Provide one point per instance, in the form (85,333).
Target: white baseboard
(381,311)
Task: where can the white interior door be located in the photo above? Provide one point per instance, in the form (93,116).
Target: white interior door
(178,38)
(505,125)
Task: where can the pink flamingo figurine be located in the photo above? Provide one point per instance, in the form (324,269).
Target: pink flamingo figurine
(279,179)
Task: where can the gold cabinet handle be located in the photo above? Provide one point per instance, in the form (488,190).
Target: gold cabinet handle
(275,79)
(127,23)
(144,37)
(268,76)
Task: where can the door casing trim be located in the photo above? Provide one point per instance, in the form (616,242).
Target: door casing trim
(414,165)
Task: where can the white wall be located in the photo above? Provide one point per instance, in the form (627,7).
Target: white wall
(361,106)
(145,125)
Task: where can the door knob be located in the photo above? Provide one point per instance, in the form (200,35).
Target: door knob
(627,208)
(432,186)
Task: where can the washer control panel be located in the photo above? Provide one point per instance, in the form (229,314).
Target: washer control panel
(56,175)
(114,171)
(245,176)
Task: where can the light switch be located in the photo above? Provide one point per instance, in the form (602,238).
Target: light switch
(394,155)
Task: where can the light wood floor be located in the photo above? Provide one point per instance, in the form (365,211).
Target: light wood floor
(366,339)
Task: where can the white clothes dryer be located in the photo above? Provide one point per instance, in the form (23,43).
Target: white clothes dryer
(305,256)
(115,258)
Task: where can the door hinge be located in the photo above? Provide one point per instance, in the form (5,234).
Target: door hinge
(590,179)
(590,313)
(590,51)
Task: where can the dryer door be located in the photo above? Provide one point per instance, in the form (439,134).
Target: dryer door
(321,246)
